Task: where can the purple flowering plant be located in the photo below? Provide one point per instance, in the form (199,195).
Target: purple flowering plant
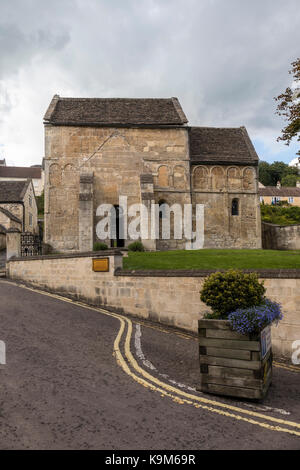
(253,319)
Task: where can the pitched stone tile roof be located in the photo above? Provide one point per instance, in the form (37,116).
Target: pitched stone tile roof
(115,112)
(13,191)
(20,172)
(283,191)
(221,145)
(10,215)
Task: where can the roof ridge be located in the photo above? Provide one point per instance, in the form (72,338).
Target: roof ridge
(214,127)
(115,111)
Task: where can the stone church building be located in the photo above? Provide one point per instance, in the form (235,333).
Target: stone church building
(97,149)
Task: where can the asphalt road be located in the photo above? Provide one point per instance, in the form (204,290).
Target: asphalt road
(76,378)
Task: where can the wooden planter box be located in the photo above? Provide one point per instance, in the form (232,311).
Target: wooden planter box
(234,364)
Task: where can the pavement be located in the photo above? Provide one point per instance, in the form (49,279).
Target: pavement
(78,377)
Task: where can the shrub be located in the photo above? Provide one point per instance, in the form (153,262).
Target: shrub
(254,319)
(228,291)
(136,246)
(98,246)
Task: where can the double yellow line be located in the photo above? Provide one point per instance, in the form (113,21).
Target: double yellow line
(130,366)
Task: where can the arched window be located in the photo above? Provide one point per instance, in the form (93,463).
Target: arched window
(235,207)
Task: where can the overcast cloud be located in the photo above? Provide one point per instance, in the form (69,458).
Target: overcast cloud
(224,59)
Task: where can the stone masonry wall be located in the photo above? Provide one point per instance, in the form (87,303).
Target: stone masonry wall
(278,237)
(216,187)
(170,298)
(117,158)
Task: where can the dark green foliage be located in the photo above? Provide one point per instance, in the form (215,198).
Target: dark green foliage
(227,291)
(136,246)
(280,215)
(290,180)
(271,173)
(40,203)
(289,107)
(98,246)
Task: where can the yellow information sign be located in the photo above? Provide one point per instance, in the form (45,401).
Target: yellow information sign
(101,265)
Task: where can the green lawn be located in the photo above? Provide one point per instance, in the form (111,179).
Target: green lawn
(213,259)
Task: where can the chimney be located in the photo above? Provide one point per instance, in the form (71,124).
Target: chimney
(278,185)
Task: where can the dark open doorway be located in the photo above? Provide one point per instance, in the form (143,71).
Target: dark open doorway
(118,223)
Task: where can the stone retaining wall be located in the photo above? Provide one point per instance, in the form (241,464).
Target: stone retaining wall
(280,237)
(169,297)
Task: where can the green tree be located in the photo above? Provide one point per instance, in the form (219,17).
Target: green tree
(40,204)
(265,177)
(289,180)
(271,173)
(289,107)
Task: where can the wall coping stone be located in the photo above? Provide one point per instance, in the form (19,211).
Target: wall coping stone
(281,226)
(262,273)
(88,254)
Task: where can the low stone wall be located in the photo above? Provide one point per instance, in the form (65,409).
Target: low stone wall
(169,297)
(280,237)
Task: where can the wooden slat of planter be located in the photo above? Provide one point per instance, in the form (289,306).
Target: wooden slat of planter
(226,334)
(218,371)
(220,361)
(232,353)
(217,324)
(232,381)
(230,344)
(232,391)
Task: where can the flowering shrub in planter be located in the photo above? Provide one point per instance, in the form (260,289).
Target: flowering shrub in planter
(235,338)
(255,319)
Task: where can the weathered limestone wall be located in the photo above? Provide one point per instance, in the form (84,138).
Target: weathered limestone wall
(13,243)
(279,237)
(217,186)
(169,298)
(117,158)
(8,222)
(30,208)
(2,241)
(16,210)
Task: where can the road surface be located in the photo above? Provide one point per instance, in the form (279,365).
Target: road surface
(80,378)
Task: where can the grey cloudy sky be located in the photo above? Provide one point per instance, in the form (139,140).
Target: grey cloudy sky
(224,59)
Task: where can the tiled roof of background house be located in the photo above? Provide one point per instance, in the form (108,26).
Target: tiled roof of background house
(283,191)
(221,145)
(13,191)
(115,111)
(20,172)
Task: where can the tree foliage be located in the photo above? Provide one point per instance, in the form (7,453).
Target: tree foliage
(227,291)
(271,173)
(289,107)
(280,215)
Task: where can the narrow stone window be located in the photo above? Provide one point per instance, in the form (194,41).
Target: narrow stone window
(235,207)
